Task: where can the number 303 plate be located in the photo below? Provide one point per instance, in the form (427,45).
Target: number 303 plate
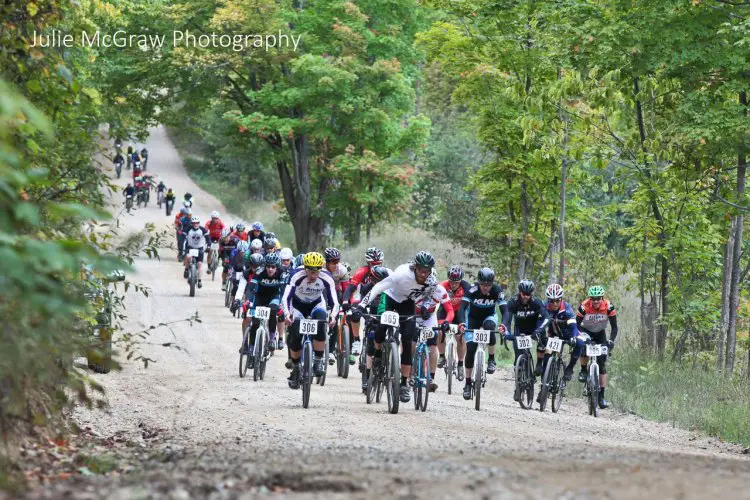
(482,336)
(308,327)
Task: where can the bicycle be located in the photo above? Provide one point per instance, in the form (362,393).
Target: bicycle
(343,346)
(369,336)
(233,279)
(169,204)
(260,352)
(451,356)
(479,372)
(419,378)
(552,380)
(213,257)
(193,269)
(129,203)
(160,198)
(388,372)
(307,328)
(118,169)
(592,387)
(524,372)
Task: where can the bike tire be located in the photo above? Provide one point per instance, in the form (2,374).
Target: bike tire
(322,379)
(593,383)
(227,294)
(192,280)
(559,389)
(479,371)
(258,353)
(307,374)
(264,357)
(243,360)
(347,348)
(393,376)
(371,390)
(522,382)
(416,379)
(428,381)
(449,363)
(547,380)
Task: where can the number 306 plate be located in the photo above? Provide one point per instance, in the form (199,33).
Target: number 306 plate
(308,327)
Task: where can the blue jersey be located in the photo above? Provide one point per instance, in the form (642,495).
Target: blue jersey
(562,321)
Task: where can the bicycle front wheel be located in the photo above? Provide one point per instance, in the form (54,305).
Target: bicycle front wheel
(393,376)
(547,378)
(593,386)
(478,374)
(450,367)
(258,354)
(192,280)
(307,373)
(558,387)
(244,358)
(345,350)
(524,384)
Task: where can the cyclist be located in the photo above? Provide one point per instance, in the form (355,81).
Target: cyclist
(478,311)
(406,284)
(129,155)
(562,320)
(187,200)
(456,286)
(269,245)
(239,231)
(129,190)
(144,155)
(182,226)
(427,307)
(170,196)
(592,318)
(118,159)
(378,274)
(264,289)
(235,263)
(341,278)
(277,244)
(256,231)
(160,188)
(286,256)
(303,297)
(256,246)
(227,243)
(531,318)
(215,227)
(362,276)
(195,237)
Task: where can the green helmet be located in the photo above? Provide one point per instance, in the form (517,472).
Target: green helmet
(596,291)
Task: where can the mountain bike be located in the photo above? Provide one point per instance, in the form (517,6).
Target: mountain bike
(321,381)
(369,336)
(233,281)
(420,379)
(129,203)
(592,387)
(260,354)
(343,346)
(139,198)
(118,169)
(307,328)
(159,198)
(388,372)
(479,372)
(552,380)
(213,257)
(193,269)
(451,357)
(524,372)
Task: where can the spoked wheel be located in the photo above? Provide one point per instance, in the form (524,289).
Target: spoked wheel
(307,374)
(593,383)
(371,387)
(392,378)
(322,379)
(524,382)
(547,380)
(192,280)
(260,343)
(264,355)
(244,358)
(345,350)
(558,387)
(478,382)
(379,387)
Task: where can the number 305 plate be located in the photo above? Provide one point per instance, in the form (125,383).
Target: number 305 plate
(308,327)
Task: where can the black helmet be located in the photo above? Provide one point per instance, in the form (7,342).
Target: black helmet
(269,243)
(455,273)
(379,273)
(272,259)
(424,259)
(255,259)
(269,234)
(485,275)
(332,254)
(188,196)
(526,286)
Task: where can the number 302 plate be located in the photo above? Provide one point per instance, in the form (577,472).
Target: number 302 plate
(523,342)
(308,327)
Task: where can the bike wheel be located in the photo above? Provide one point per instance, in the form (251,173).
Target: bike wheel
(547,380)
(345,350)
(523,384)
(307,374)
(428,381)
(450,365)
(264,354)
(227,294)
(192,280)
(258,353)
(371,387)
(322,379)
(557,385)
(416,379)
(244,358)
(479,371)
(392,378)
(593,383)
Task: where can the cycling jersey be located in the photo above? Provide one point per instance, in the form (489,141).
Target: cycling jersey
(261,236)
(594,319)
(360,278)
(529,317)
(129,191)
(265,289)
(439,297)
(160,188)
(196,238)
(456,296)
(301,292)
(242,236)
(565,319)
(341,278)
(169,196)
(400,286)
(215,228)
(476,307)
(182,223)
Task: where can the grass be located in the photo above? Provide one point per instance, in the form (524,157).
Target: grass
(686,396)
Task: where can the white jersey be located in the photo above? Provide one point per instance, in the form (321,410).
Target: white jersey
(401,285)
(301,290)
(340,273)
(196,238)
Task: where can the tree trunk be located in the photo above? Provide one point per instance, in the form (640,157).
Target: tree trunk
(563,188)
(734,287)
(525,224)
(724,318)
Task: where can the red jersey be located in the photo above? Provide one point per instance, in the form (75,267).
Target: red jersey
(439,298)
(242,236)
(215,228)
(458,295)
(361,276)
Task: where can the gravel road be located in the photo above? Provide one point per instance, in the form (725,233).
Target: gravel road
(206,433)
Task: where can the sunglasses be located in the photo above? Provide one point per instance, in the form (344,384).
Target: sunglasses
(554,301)
(595,299)
(522,294)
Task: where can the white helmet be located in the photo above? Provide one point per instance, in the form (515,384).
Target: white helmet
(214,214)
(242,246)
(286,253)
(225,232)
(195,219)
(554,291)
(256,244)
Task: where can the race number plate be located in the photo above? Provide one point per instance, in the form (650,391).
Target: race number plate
(523,342)
(554,344)
(194,252)
(389,318)
(214,246)
(593,350)
(482,336)
(238,275)
(426,334)
(308,327)
(454,329)
(262,312)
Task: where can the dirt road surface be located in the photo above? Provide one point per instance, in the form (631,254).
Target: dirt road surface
(207,433)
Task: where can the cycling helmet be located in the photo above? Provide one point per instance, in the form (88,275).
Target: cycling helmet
(272,259)
(332,254)
(314,260)
(257,226)
(455,273)
(188,211)
(195,219)
(188,196)
(485,275)
(554,291)
(214,214)
(298,260)
(256,244)
(270,234)
(225,232)
(424,259)
(379,273)
(269,243)
(242,246)
(255,260)
(373,254)
(526,286)
(596,291)
(286,253)
(240,227)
